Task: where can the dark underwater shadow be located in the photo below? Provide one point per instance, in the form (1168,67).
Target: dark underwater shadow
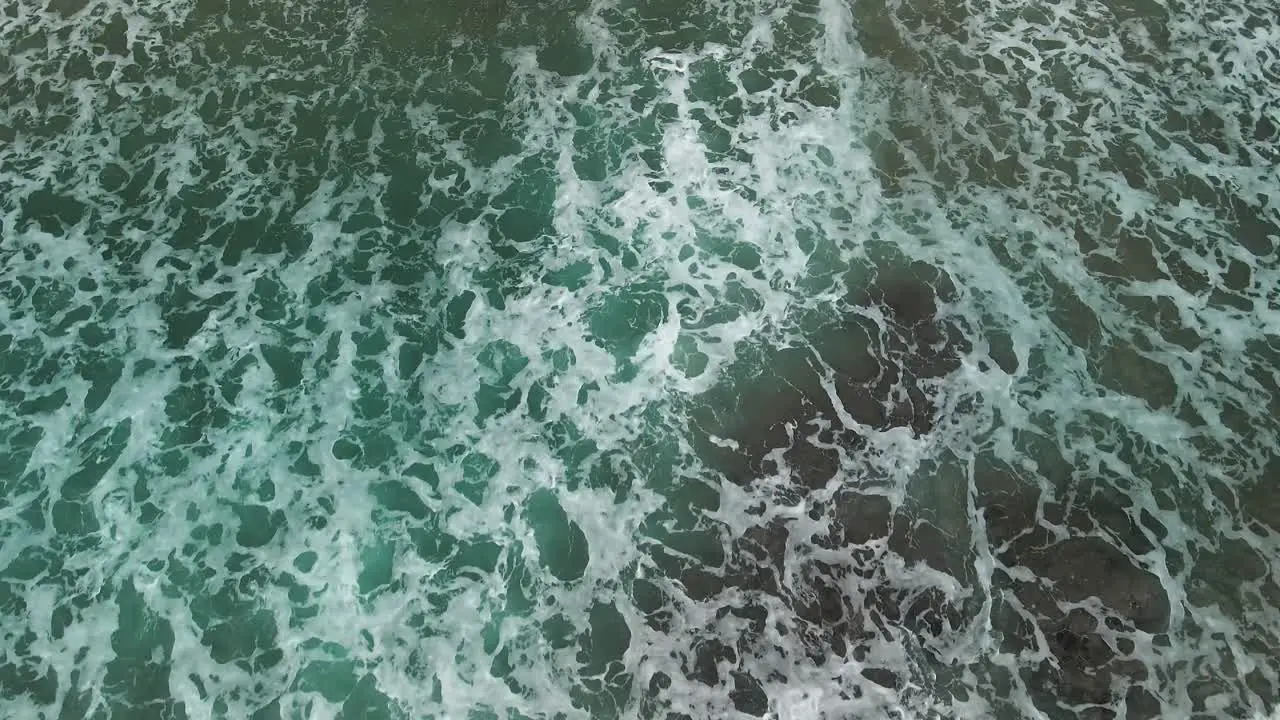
(1096,135)
(1055,563)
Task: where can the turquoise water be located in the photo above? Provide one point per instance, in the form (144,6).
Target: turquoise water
(626,359)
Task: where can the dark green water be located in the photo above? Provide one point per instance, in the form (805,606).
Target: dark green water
(430,359)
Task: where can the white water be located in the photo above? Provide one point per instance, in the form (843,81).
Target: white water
(394,360)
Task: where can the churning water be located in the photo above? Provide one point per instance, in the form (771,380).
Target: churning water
(639,359)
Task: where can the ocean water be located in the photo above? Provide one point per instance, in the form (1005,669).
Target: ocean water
(639,359)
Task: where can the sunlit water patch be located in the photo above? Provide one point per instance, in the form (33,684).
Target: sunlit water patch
(415,359)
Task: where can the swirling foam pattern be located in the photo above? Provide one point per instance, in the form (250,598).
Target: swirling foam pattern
(628,358)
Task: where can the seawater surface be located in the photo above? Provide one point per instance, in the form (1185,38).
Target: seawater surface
(639,359)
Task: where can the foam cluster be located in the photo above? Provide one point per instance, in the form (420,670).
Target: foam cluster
(615,359)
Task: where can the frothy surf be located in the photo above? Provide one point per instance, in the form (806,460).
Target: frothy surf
(637,359)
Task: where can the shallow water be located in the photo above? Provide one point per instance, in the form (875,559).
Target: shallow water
(405,359)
